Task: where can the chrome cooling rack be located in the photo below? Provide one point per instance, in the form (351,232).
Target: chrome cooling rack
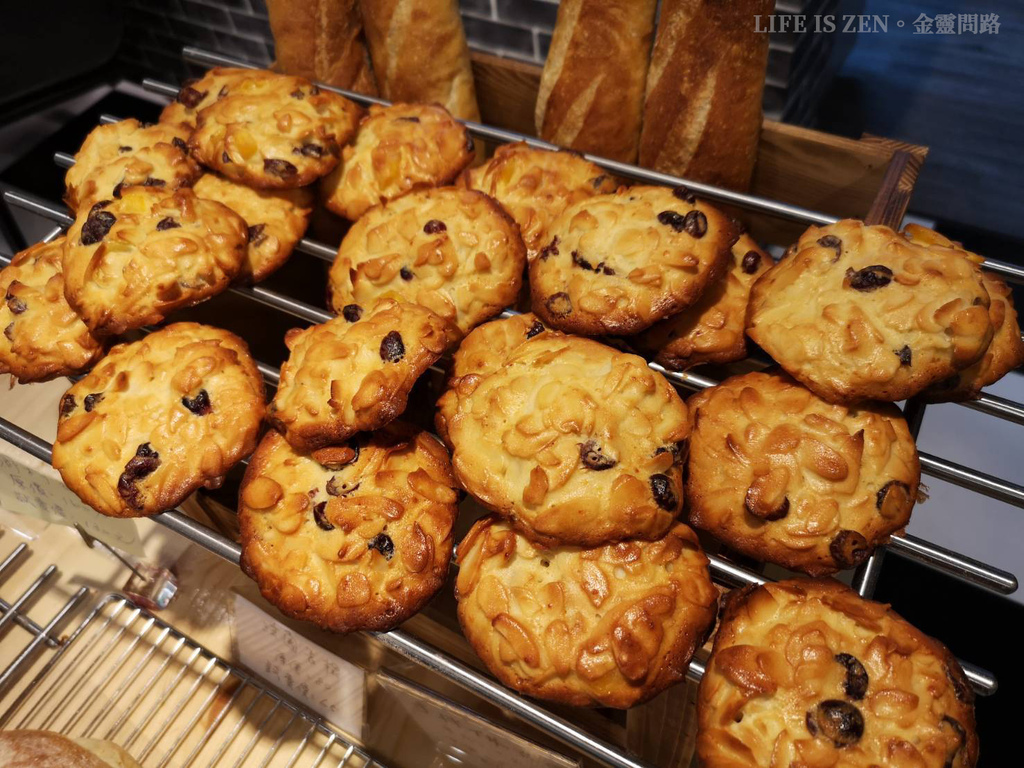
(723,571)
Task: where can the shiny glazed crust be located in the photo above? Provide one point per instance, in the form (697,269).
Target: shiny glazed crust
(126,154)
(610,626)
(138,435)
(453,251)
(354,375)
(41,337)
(712,330)
(780,475)
(785,648)
(357,536)
(535,186)
(616,264)
(132,261)
(276,219)
(397,148)
(196,95)
(572,441)
(859,312)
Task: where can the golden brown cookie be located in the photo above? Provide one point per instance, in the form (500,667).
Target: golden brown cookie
(858,312)
(278,132)
(158,418)
(535,185)
(277,220)
(712,330)
(453,251)
(132,261)
(196,95)
(354,372)
(780,475)
(397,148)
(42,336)
(127,154)
(617,264)
(806,672)
(354,536)
(610,626)
(572,441)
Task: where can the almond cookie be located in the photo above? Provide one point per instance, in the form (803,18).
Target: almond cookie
(453,251)
(42,336)
(780,475)
(397,148)
(611,626)
(806,672)
(572,441)
(351,537)
(130,262)
(617,264)
(277,132)
(159,418)
(196,95)
(277,220)
(128,154)
(858,312)
(712,330)
(354,372)
(535,186)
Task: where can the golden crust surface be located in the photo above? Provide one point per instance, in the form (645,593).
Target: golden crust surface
(132,261)
(353,374)
(158,418)
(535,186)
(616,264)
(397,148)
(858,312)
(277,220)
(196,95)
(778,474)
(454,251)
(610,626)
(357,536)
(126,154)
(572,441)
(42,337)
(278,132)
(49,749)
(712,330)
(806,672)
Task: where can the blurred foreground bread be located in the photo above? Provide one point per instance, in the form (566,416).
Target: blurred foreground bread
(419,53)
(45,749)
(592,90)
(702,113)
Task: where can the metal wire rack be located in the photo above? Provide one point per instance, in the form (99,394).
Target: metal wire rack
(723,571)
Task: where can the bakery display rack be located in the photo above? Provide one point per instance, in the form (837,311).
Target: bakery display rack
(884,209)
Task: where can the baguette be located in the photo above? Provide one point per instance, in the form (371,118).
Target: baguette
(293,24)
(702,113)
(592,90)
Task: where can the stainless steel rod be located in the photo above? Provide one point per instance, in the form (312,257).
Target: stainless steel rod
(997,406)
(973,480)
(962,567)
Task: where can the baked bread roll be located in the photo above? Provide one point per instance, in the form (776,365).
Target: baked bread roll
(44,749)
(592,90)
(419,53)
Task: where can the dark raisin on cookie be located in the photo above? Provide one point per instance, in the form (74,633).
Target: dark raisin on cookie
(551,249)
(129,149)
(751,262)
(838,721)
(167,223)
(581,262)
(383,544)
(534,329)
(597,181)
(9,331)
(855,684)
(961,739)
(280,168)
(685,195)
(92,400)
(405,273)
(143,464)
(225,157)
(434,226)
(320,518)
(97,226)
(870,278)
(408,119)
(897,488)
(334,488)
(664,496)
(392,348)
(16,305)
(117,189)
(67,405)
(200,405)
(151,182)
(297,94)
(190,97)
(679,451)
(593,458)
(180,144)
(352,312)
(696,224)
(309,150)
(672,219)
(559,304)
(849,549)
(831,241)
(905,355)
(256,234)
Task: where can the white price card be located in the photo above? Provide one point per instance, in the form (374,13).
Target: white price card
(331,687)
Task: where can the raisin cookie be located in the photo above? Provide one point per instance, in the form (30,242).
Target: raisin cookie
(277,220)
(278,132)
(196,95)
(398,148)
(453,251)
(858,312)
(806,672)
(535,185)
(617,264)
(778,474)
(712,330)
(354,536)
(128,154)
(610,626)
(132,261)
(159,418)
(354,372)
(572,441)
(42,336)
